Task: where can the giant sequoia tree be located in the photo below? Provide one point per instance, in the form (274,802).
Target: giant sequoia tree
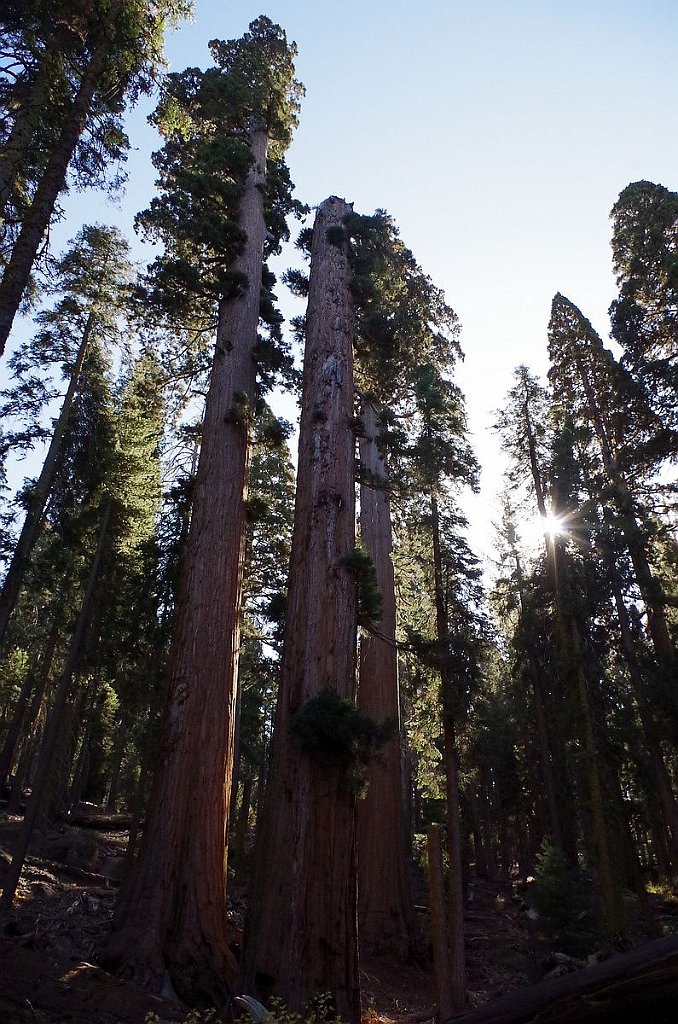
(172,914)
(301,935)
(402,319)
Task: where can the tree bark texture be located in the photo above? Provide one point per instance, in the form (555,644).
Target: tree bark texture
(172,914)
(301,935)
(385,911)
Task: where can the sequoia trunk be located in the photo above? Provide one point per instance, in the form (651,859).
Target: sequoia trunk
(385,912)
(301,934)
(172,913)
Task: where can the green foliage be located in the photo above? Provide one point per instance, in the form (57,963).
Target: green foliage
(319,1010)
(206,118)
(52,49)
(336,734)
(13,668)
(561,900)
(402,319)
(360,564)
(335,234)
(645,233)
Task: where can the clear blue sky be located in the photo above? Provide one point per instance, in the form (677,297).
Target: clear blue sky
(498,134)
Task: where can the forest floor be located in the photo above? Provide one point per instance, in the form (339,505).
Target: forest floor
(48,950)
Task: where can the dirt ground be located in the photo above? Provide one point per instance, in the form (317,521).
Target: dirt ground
(64,906)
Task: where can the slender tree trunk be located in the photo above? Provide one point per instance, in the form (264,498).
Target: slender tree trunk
(242,826)
(450,757)
(53,723)
(172,914)
(543,740)
(439,937)
(117,756)
(30,530)
(15,726)
(385,911)
(37,218)
(301,935)
(28,722)
(478,844)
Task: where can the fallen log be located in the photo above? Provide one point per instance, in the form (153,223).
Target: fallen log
(641,985)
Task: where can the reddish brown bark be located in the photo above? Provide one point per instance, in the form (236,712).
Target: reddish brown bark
(172,914)
(301,933)
(385,912)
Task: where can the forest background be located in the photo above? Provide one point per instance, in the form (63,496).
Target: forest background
(498,146)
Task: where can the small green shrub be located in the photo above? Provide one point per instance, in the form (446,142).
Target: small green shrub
(561,899)
(335,733)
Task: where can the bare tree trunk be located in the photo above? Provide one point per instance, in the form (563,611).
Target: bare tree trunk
(439,938)
(172,914)
(53,723)
(301,935)
(37,218)
(241,827)
(117,756)
(385,910)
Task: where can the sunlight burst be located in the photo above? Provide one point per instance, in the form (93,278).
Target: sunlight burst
(552,525)
(532,531)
